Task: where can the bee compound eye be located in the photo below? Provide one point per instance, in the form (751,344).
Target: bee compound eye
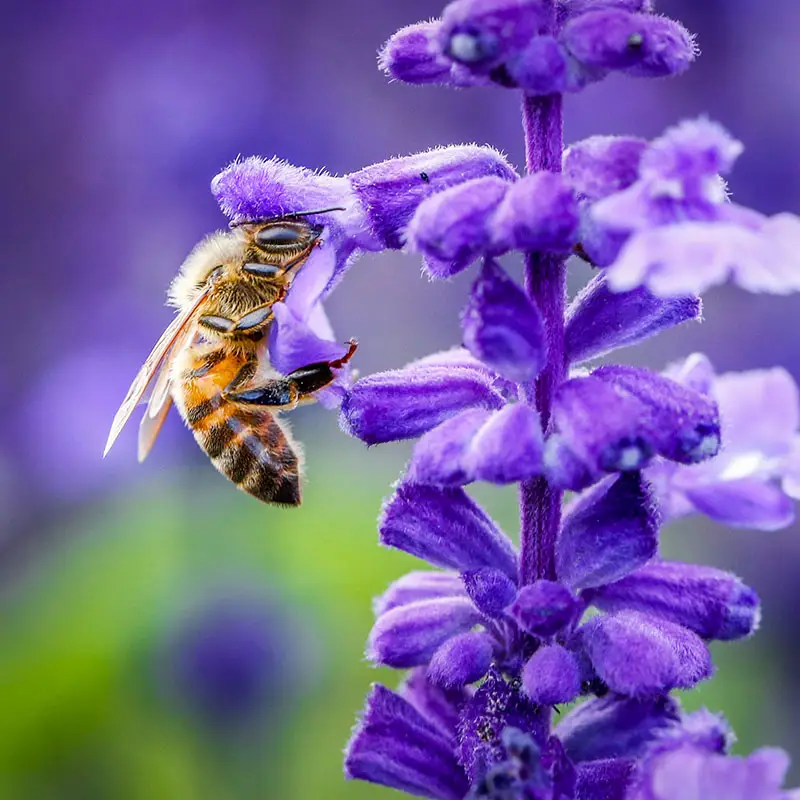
(280,235)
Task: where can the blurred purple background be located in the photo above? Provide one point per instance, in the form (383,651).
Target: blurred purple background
(119,114)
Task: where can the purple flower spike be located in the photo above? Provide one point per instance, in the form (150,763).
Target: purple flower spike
(445,527)
(684,424)
(395,746)
(480,34)
(642,44)
(538,212)
(614,726)
(390,192)
(544,608)
(602,165)
(502,327)
(418,586)
(451,229)
(509,447)
(461,660)
(712,603)
(402,404)
(490,590)
(600,321)
(607,533)
(407,636)
(552,675)
(637,656)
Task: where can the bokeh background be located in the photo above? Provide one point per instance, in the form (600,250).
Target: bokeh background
(162,635)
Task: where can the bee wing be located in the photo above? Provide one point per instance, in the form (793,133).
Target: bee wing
(158,357)
(150,427)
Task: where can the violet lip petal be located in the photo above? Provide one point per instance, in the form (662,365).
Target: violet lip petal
(600,321)
(438,456)
(614,726)
(445,527)
(502,327)
(439,706)
(463,659)
(683,424)
(552,675)
(602,165)
(408,635)
(419,585)
(391,191)
(395,746)
(405,403)
(607,533)
(451,228)
(508,448)
(639,656)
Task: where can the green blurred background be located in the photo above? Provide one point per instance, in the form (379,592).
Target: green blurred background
(163,636)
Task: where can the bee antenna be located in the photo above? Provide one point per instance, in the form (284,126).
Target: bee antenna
(317,211)
(285,216)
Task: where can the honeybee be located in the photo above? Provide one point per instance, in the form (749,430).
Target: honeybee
(211,359)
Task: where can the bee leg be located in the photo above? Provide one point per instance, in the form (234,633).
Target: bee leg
(286,392)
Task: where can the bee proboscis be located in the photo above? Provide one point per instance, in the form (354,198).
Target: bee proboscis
(211,360)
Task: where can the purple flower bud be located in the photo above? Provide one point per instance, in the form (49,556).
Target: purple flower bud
(544,608)
(638,656)
(418,586)
(482,33)
(407,636)
(508,448)
(491,590)
(684,425)
(445,527)
(451,228)
(402,404)
(390,192)
(602,165)
(461,660)
(600,321)
(552,675)
(542,68)
(642,44)
(614,726)
(502,327)
(607,533)
(411,55)
(395,746)
(712,603)
(538,212)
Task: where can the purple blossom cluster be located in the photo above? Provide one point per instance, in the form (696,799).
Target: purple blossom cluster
(585,609)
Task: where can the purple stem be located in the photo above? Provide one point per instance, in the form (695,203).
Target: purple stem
(546,284)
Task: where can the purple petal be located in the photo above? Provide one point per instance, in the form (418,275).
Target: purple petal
(293,344)
(684,425)
(490,590)
(600,321)
(538,212)
(687,773)
(712,603)
(605,780)
(461,660)
(451,228)
(405,403)
(420,585)
(438,456)
(743,503)
(445,527)
(642,44)
(543,608)
(411,55)
(395,746)
(508,448)
(596,429)
(640,656)
(602,165)
(439,706)
(502,327)
(480,34)
(552,675)
(614,727)
(407,636)
(607,533)
(391,191)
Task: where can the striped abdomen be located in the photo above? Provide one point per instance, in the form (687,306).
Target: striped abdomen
(247,445)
